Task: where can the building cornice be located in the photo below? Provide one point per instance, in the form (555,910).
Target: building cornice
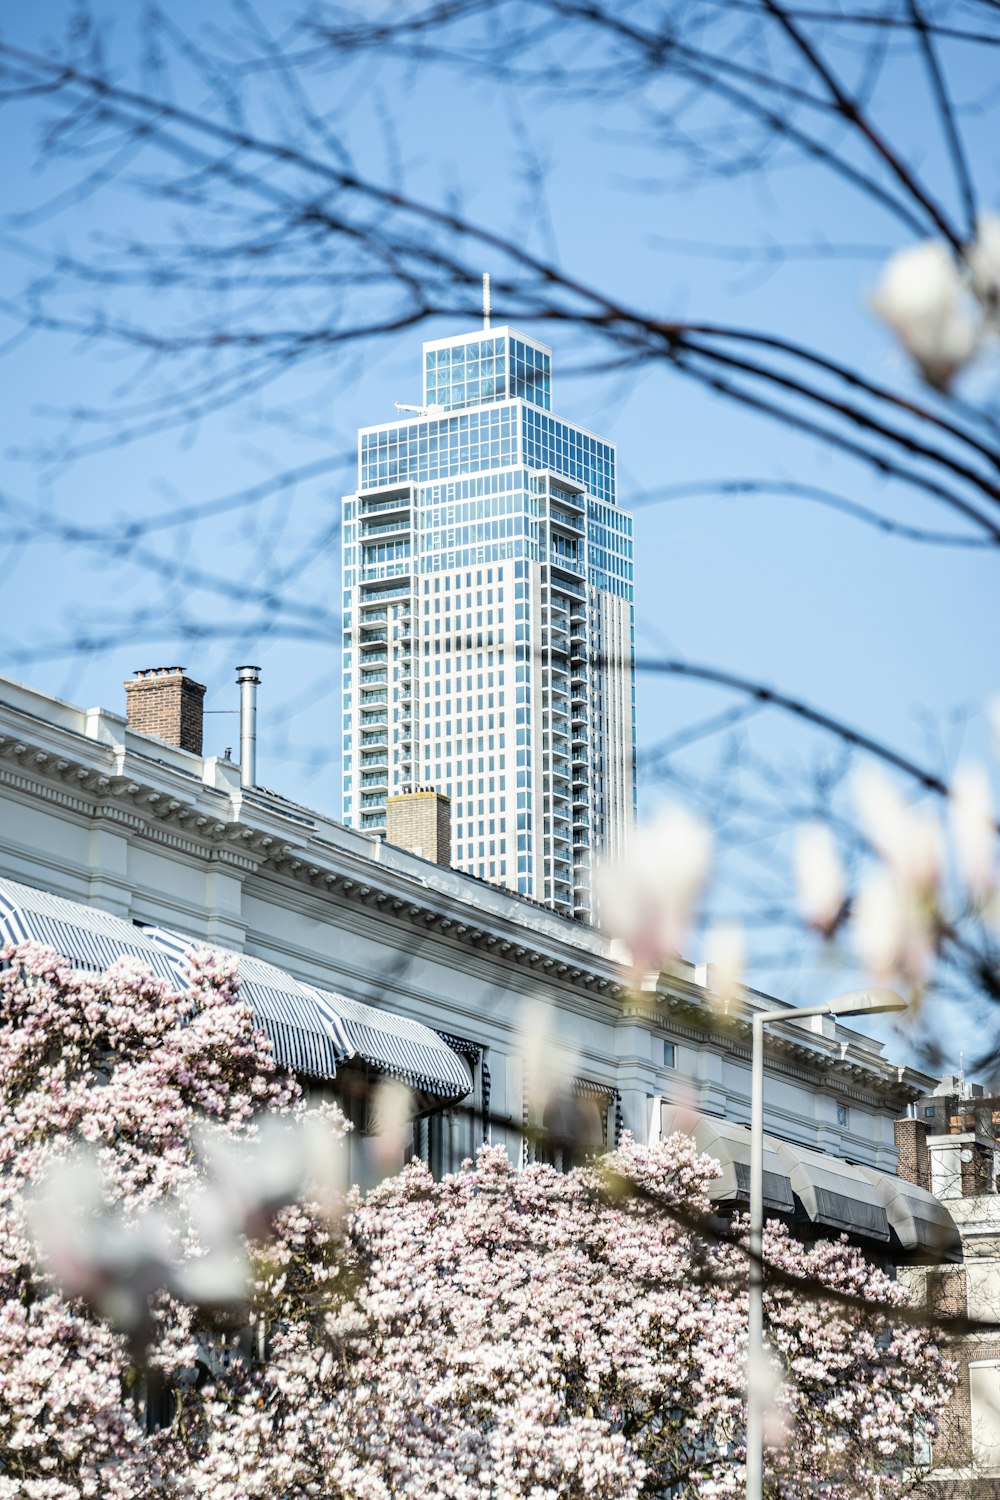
(98,771)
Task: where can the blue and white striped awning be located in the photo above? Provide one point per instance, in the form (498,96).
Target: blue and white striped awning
(85,937)
(312,1030)
(405,1049)
(285,1010)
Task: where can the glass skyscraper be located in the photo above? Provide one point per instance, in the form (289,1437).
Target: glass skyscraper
(489,624)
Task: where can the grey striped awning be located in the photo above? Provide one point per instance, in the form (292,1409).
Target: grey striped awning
(311,1030)
(834,1193)
(86,938)
(922,1225)
(285,1010)
(729,1144)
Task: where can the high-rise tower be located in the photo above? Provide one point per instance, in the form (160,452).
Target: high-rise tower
(488,622)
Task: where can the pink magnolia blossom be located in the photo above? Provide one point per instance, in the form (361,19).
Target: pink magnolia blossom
(649,897)
(499,1333)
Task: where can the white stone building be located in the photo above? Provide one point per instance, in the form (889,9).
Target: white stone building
(383,962)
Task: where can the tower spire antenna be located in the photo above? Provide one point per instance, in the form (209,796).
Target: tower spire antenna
(486,299)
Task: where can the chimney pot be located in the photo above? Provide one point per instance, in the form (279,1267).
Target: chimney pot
(249,680)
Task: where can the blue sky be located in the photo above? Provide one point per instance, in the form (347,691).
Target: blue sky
(890,635)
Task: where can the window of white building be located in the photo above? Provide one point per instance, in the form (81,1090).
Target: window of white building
(984,1399)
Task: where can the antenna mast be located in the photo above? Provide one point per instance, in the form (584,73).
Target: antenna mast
(486,299)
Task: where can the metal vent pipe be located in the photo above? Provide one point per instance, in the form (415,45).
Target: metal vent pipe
(249,680)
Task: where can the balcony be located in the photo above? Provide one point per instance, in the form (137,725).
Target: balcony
(371,619)
(373,507)
(571,589)
(570,569)
(382,596)
(373,639)
(386,528)
(567,520)
(561,494)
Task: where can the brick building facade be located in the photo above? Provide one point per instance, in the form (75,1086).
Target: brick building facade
(951,1145)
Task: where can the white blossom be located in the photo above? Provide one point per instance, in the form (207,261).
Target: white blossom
(819,876)
(648,897)
(391,1113)
(923,299)
(893,929)
(878,924)
(983,260)
(725,951)
(973,830)
(908,840)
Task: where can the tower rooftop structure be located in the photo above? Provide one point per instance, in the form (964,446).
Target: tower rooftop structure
(488,621)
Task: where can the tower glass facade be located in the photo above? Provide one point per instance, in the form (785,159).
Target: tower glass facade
(488,623)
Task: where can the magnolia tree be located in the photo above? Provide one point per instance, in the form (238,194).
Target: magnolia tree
(498,1333)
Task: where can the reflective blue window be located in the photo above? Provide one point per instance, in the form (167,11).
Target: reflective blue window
(530,373)
(438,448)
(466,374)
(569,451)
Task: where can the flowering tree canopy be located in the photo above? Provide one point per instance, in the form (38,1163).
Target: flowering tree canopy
(498,1333)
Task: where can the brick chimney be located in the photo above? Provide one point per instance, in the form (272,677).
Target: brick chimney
(914,1157)
(420,820)
(163,702)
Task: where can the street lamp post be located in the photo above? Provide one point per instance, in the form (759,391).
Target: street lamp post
(857,1003)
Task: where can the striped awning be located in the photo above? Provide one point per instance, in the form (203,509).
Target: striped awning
(729,1144)
(86,938)
(285,1010)
(834,1193)
(312,1030)
(404,1049)
(922,1225)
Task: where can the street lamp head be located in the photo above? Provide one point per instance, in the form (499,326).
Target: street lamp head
(865,1003)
